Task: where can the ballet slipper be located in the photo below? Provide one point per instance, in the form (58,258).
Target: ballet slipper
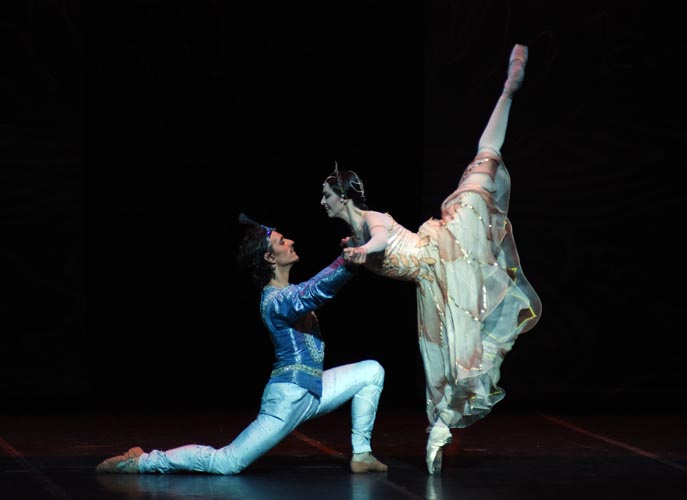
(122,464)
(366,462)
(439,437)
(516,70)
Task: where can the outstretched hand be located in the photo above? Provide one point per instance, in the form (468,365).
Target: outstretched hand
(355,255)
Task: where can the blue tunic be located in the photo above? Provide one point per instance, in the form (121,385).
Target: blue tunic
(288,314)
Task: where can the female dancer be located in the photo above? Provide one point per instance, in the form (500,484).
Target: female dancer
(473,299)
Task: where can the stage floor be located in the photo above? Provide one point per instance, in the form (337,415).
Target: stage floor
(505,456)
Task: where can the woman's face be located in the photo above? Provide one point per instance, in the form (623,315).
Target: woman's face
(331,202)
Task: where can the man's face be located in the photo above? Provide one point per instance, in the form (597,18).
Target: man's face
(281,250)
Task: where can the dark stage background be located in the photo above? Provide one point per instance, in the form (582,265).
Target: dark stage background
(135,132)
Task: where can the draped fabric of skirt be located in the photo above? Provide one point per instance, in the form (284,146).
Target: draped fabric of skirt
(473,298)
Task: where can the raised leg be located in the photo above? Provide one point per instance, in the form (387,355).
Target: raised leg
(495,132)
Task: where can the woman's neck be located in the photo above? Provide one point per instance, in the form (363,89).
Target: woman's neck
(356,216)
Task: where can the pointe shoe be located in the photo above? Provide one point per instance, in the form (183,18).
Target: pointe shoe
(516,69)
(368,463)
(439,437)
(122,464)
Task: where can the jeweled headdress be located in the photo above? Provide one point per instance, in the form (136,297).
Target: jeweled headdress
(356,184)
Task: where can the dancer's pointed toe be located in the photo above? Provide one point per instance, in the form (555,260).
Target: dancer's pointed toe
(519,53)
(121,464)
(439,437)
(516,69)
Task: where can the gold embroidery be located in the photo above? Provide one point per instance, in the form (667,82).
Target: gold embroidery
(317,354)
(297,367)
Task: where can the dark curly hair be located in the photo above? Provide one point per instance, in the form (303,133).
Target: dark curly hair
(349,186)
(251,252)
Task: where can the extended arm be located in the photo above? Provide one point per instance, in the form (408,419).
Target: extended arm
(378,225)
(295,301)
